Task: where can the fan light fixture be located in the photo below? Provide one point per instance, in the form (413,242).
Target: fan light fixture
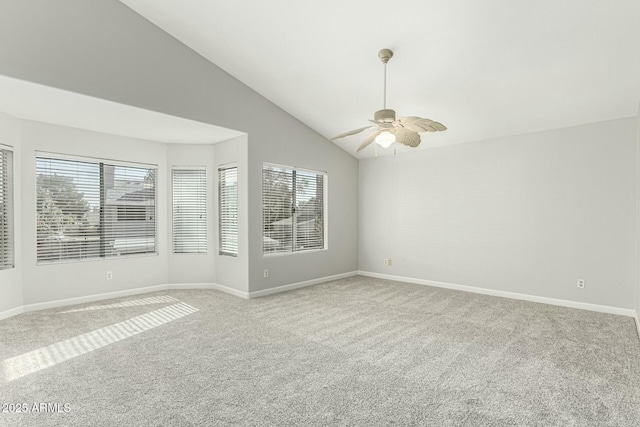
(388,129)
(385,139)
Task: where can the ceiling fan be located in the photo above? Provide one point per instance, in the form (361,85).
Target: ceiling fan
(388,129)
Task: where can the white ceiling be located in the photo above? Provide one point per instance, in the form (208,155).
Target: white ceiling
(71,109)
(485,69)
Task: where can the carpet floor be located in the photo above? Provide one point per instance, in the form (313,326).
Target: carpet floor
(352,352)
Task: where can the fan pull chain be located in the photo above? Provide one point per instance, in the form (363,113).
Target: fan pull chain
(375,146)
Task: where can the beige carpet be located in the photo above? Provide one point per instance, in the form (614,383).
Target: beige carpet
(357,351)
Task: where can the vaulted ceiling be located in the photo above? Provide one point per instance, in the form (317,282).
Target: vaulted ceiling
(485,69)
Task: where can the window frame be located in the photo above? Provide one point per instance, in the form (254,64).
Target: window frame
(101,163)
(206,209)
(325,210)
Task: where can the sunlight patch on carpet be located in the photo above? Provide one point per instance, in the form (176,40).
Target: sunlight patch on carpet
(45,357)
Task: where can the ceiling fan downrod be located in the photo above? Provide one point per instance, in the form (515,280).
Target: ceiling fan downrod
(385,115)
(385,55)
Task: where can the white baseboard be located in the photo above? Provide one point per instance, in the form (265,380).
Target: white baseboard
(91,298)
(118,294)
(505,294)
(12,312)
(298,285)
(246,295)
(126,293)
(214,286)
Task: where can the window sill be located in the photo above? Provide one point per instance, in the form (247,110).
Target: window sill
(97,259)
(189,253)
(279,254)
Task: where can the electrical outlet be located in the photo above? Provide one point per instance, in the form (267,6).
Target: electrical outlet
(390,262)
(109,275)
(386,261)
(266,273)
(581,283)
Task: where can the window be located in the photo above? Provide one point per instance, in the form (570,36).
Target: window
(6,209)
(132,213)
(88,208)
(228,210)
(293,209)
(189,211)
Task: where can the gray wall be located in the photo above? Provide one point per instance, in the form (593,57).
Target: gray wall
(104,49)
(528,214)
(11,279)
(310,151)
(638,217)
(50,282)
(233,272)
(468,214)
(211,267)
(35,284)
(192,268)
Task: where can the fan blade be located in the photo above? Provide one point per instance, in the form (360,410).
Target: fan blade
(406,137)
(369,139)
(418,124)
(385,125)
(351,132)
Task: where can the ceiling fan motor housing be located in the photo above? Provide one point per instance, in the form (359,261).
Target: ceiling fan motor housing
(386,116)
(385,55)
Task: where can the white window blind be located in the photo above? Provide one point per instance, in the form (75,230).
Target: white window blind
(88,208)
(293,213)
(129,210)
(6,210)
(189,211)
(228,210)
